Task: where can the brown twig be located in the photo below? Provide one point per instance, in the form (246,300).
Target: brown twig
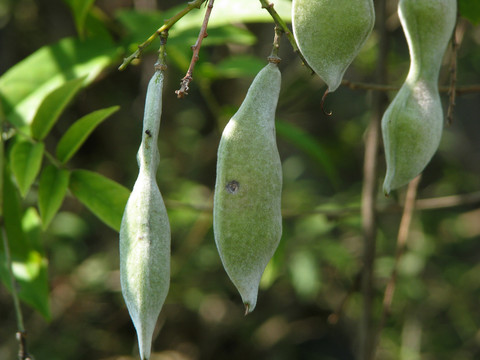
(437,203)
(196,49)
(334,317)
(369,193)
(165,27)
(453,78)
(459,90)
(402,238)
(274,58)
(22,346)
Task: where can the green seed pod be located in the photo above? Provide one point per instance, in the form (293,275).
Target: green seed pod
(413,123)
(247,219)
(145,231)
(330,34)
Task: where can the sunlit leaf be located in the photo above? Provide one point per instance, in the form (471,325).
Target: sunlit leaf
(102,196)
(52,107)
(141,25)
(79,132)
(51,192)
(26,160)
(24,86)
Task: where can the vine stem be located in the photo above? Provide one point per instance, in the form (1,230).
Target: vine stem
(184,84)
(283,25)
(165,27)
(21,333)
(402,238)
(274,58)
(161,64)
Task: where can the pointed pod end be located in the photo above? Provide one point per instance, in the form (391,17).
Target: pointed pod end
(329,113)
(145,344)
(386,188)
(250,301)
(248,308)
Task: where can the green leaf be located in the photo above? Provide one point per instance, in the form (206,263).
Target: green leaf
(29,264)
(51,192)
(470,9)
(305,276)
(216,36)
(233,67)
(52,107)
(26,160)
(24,86)
(227,12)
(310,146)
(80,10)
(12,214)
(103,197)
(79,132)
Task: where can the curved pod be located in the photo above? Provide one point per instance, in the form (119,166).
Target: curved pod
(145,231)
(247,218)
(330,34)
(413,123)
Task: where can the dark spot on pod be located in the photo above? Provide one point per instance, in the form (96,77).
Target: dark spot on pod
(232,187)
(148,132)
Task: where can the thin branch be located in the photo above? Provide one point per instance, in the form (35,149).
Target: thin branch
(334,317)
(282,24)
(196,49)
(161,64)
(438,203)
(402,238)
(459,90)
(165,27)
(369,194)
(273,58)
(445,202)
(13,285)
(453,78)
(21,333)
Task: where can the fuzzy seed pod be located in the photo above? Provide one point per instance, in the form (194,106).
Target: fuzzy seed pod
(145,231)
(330,34)
(413,123)
(247,219)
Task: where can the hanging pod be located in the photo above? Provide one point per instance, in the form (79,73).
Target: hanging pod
(247,220)
(412,124)
(330,34)
(145,231)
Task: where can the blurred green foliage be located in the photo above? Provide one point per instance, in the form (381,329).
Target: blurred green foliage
(47,44)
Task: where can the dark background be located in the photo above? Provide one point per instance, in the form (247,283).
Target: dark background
(435,313)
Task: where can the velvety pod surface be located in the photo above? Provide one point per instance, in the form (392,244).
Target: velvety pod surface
(413,123)
(145,232)
(247,205)
(330,33)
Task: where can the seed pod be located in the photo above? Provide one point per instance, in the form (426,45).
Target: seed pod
(247,219)
(330,34)
(145,231)
(413,123)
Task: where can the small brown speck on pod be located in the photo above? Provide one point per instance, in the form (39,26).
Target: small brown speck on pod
(232,187)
